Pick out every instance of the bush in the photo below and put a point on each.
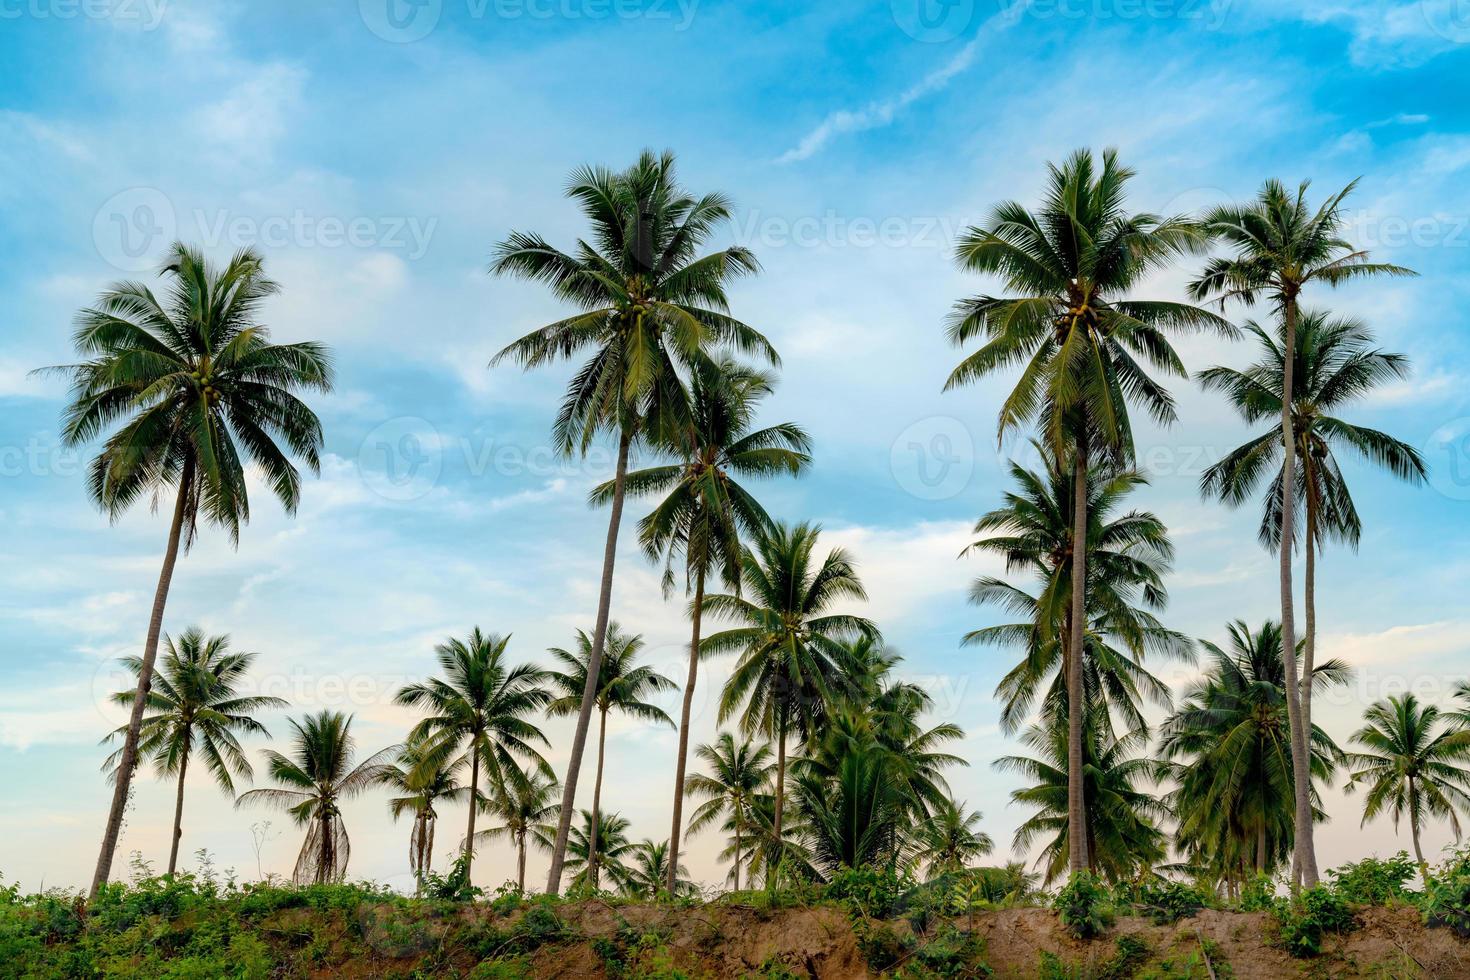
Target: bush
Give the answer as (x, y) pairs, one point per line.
(1165, 902)
(871, 892)
(1082, 906)
(951, 954)
(1313, 914)
(1447, 902)
(1259, 895)
(1375, 881)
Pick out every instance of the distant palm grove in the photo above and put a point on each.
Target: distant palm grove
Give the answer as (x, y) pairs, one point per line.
(828, 760)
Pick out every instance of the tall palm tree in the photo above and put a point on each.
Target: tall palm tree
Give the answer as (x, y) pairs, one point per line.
(1414, 765)
(951, 840)
(1336, 363)
(739, 772)
(195, 389)
(1073, 328)
(651, 870)
(423, 775)
(623, 686)
(195, 701)
(649, 307)
(705, 510)
(788, 638)
(607, 847)
(1129, 553)
(312, 785)
(1227, 749)
(480, 707)
(521, 805)
(1280, 246)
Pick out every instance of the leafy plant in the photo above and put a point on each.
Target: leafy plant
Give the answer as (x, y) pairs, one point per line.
(1374, 881)
(1169, 901)
(1315, 913)
(1082, 906)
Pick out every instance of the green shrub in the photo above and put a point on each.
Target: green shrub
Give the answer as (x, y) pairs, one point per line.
(872, 892)
(1375, 881)
(1447, 902)
(1082, 906)
(1165, 902)
(1313, 914)
(951, 954)
(1259, 895)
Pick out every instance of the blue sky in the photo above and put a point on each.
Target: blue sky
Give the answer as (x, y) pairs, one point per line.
(375, 159)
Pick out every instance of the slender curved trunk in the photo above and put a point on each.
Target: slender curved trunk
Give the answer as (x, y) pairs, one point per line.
(1309, 602)
(1304, 861)
(594, 669)
(469, 837)
(129, 759)
(521, 862)
(173, 851)
(1414, 834)
(1261, 848)
(594, 858)
(1076, 809)
(777, 848)
(327, 860)
(738, 842)
(682, 760)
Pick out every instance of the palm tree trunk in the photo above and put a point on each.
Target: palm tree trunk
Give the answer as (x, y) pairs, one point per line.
(738, 842)
(1261, 848)
(777, 847)
(683, 757)
(521, 862)
(1076, 810)
(1309, 601)
(327, 859)
(1414, 834)
(173, 851)
(469, 837)
(594, 668)
(594, 859)
(1304, 862)
(129, 759)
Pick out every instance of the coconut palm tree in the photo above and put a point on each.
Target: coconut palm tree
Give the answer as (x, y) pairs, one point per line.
(623, 687)
(951, 840)
(313, 783)
(1227, 749)
(607, 847)
(423, 775)
(650, 872)
(521, 805)
(479, 707)
(1129, 553)
(789, 638)
(705, 510)
(1413, 764)
(649, 307)
(1336, 363)
(738, 773)
(1280, 246)
(1073, 328)
(195, 390)
(195, 702)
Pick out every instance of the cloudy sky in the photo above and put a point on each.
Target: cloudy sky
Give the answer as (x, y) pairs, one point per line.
(375, 151)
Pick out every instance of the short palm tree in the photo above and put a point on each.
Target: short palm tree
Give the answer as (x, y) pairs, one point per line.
(1077, 334)
(649, 307)
(607, 847)
(951, 840)
(423, 775)
(651, 870)
(520, 805)
(789, 638)
(705, 510)
(738, 773)
(313, 783)
(1280, 246)
(479, 707)
(623, 687)
(1336, 363)
(195, 703)
(1414, 764)
(196, 389)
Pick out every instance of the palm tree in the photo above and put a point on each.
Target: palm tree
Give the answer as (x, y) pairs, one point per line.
(312, 786)
(197, 389)
(1336, 363)
(789, 639)
(1074, 331)
(1281, 245)
(423, 775)
(1129, 553)
(479, 706)
(607, 847)
(1228, 752)
(195, 700)
(1413, 765)
(704, 509)
(649, 306)
(739, 772)
(521, 805)
(623, 686)
(951, 840)
(648, 877)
